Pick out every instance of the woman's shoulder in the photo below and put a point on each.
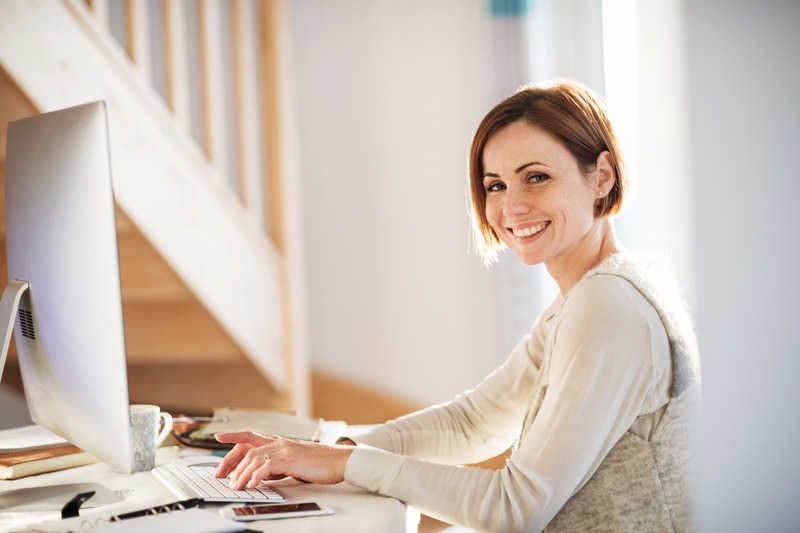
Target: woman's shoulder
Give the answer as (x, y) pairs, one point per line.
(623, 292)
(653, 278)
(651, 274)
(642, 270)
(607, 322)
(607, 299)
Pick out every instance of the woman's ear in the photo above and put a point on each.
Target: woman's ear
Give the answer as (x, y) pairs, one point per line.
(605, 174)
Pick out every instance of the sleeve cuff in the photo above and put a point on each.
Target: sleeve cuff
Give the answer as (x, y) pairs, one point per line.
(376, 437)
(374, 470)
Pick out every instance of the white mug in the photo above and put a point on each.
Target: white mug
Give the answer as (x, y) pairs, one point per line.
(145, 422)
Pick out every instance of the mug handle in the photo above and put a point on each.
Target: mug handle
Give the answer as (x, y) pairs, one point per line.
(167, 418)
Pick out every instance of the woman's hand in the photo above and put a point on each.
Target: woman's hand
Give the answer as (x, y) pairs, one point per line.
(256, 457)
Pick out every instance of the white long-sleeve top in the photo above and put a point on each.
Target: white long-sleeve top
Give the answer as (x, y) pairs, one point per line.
(610, 373)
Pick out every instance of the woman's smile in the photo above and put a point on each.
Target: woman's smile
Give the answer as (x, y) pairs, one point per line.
(529, 231)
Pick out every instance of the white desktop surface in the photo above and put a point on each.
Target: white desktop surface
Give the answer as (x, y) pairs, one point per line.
(355, 510)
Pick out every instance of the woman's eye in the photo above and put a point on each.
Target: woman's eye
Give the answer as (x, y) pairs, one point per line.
(538, 178)
(494, 187)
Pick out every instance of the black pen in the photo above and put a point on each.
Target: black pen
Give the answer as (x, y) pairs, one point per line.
(168, 508)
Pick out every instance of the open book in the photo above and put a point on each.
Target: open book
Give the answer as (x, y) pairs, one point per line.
(30, 450)
(30, 462)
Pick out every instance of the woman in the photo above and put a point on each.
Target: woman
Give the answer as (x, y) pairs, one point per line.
(598, 402)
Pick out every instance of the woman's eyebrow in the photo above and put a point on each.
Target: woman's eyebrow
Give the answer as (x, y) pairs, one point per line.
(517, 171)
(526, 165)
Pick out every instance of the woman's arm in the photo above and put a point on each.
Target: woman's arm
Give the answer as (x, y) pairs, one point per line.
(600, 377)
(474, 426)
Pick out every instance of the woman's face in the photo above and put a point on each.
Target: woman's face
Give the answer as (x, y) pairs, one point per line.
(538, 201)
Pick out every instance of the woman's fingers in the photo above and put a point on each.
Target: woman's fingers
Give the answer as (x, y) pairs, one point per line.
(231, 459)
(244, 437)
(255, 458)
(260, 474)
(245, 474)
(244, 441)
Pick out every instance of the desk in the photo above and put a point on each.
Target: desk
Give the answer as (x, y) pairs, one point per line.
(356, 510)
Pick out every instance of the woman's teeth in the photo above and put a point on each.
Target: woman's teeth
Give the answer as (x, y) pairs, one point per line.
(527, 232)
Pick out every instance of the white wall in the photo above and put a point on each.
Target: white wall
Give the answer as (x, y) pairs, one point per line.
(745, 125)
(387, 96)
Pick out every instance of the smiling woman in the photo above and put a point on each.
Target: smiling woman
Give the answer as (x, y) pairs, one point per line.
(598, 403)
(542, 205)
(575, 118)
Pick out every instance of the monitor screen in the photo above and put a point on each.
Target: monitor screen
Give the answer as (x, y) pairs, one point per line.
(61, 244)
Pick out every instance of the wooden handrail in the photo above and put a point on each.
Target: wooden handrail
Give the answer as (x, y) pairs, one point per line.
(273, 190)
(228, 100)
(176, 61)
(220, 61)
(247, 90)
(138, 36)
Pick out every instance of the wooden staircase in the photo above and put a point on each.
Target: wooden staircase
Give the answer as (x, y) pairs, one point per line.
(208, 269)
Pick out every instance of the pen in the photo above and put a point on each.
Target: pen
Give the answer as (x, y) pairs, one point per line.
(177, 506)
(72, 517)
(185, 419)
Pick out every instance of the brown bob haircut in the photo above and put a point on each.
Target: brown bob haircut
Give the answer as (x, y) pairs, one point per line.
(571, 113)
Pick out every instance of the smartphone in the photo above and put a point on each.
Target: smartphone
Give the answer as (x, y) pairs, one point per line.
(280, 510)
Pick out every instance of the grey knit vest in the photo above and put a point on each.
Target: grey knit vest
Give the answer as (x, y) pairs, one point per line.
(644, 485)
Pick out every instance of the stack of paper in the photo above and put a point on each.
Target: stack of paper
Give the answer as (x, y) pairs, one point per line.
(274, 423)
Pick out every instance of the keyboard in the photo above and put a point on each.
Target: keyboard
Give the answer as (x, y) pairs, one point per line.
(198, 481)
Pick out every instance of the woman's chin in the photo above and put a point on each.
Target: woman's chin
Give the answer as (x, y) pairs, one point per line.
(529, 259)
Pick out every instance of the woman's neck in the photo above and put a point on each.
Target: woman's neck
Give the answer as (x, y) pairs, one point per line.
(569, 268)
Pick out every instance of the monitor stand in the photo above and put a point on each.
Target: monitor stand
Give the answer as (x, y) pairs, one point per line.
(9, 305)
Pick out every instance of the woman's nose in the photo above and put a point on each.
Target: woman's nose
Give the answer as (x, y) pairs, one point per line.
(516, 203)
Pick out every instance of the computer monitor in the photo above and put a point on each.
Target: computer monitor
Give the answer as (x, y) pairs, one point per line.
(63, 270)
